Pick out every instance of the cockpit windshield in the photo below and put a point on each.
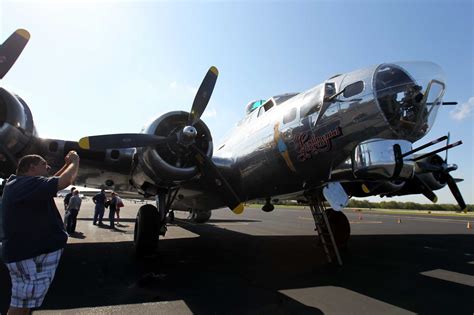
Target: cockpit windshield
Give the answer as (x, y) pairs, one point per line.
(253, 105)
(276, 100)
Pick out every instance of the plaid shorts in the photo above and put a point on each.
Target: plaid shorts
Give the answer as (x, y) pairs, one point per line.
(31, 279)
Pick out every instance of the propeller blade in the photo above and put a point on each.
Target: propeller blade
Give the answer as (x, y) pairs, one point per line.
(11, 49)
(203, 95)
(212, 173)
(121, 141)
(455, 190)
(425, 189)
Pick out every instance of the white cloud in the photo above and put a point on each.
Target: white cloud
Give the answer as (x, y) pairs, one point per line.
(173, 84)
(463, 111)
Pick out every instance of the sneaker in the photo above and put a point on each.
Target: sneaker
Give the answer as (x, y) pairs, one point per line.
(93, 223)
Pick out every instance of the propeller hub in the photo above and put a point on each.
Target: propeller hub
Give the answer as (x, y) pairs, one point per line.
(189, 132)
(188, 135)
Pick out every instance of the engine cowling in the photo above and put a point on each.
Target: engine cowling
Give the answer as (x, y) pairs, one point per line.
(434, 180)
(173, 162)
(16, 130)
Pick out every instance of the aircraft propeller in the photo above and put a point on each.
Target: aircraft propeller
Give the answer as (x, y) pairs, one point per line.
(184, 137)
(442, 170)
(11, 49)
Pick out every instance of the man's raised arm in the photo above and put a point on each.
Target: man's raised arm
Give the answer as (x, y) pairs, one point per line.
(67, 174)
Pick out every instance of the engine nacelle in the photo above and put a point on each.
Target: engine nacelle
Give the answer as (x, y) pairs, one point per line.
(434, 179)
(170, 163)
(16, 130)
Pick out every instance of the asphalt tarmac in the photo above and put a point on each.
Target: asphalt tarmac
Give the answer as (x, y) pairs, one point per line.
(266, 263)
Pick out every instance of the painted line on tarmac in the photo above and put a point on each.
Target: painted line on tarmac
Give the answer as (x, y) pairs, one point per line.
(450, 276)
(351, 222)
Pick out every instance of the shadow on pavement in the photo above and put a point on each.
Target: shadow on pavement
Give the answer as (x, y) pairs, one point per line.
(230, 272)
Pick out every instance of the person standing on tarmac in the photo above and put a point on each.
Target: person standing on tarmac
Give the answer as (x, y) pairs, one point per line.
(34, 236)
(66, 202)
(72, 211)
(100, 199)
(68, 197)
(112, 209)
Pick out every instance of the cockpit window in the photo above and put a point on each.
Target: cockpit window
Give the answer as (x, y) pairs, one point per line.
(253, 106)
(329, 89)
(269, 104)
(353, 89)
(283, 98)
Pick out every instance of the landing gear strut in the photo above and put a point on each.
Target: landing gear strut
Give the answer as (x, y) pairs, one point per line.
(268, 207)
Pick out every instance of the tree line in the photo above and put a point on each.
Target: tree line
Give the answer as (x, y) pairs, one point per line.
(356, 203)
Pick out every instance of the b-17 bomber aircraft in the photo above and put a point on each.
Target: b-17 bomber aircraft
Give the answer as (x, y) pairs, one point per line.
(351, 135)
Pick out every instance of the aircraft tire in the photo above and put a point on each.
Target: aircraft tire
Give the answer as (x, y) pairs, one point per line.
(146, 233)
(200, 216)
(340, 227)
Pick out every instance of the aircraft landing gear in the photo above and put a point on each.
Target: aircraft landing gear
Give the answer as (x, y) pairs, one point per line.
(340, 227)
(268, 207)
(147, 226)
(200, 216)
(151, 223)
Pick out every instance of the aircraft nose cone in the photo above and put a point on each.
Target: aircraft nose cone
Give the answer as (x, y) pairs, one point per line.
(409, 95)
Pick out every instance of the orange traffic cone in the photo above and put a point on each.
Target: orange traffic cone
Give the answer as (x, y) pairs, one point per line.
(469, 225)
(399, 220)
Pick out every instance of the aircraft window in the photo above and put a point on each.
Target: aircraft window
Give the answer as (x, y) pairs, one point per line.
(329, 90)
(261, 111)
(115, 154)
(253, 106)
(353, 89)
(290, 116)
(283, 98)
(268, 104)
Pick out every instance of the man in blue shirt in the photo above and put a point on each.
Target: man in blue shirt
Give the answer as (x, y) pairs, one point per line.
(100, 199)
(34, 235)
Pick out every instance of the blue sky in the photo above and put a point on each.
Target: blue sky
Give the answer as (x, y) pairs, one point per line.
(96, 67)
